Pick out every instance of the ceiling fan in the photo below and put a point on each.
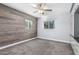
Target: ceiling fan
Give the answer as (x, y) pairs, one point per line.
(41, 8)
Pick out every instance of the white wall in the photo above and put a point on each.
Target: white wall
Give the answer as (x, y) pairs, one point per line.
(62, 28)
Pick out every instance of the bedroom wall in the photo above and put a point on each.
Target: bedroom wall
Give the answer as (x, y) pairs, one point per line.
(62, 29)
(12, 26)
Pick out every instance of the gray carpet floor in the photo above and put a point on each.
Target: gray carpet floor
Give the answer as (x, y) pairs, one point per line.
(39, 47)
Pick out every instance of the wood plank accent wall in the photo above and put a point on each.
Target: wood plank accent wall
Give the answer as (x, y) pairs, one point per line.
(12, 26)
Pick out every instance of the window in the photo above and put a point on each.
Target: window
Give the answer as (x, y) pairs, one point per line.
(28, 24)
(49, 24)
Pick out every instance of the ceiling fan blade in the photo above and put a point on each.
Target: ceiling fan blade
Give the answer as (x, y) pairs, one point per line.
(48, 10)
(35, 11)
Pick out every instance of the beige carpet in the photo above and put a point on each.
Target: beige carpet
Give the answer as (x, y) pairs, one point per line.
(39, 47)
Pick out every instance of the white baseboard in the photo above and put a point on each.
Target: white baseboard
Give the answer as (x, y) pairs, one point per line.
(54, 39)
(13, 44)
(10, 45)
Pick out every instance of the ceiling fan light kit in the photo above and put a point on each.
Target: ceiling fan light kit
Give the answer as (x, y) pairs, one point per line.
(41, 8)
